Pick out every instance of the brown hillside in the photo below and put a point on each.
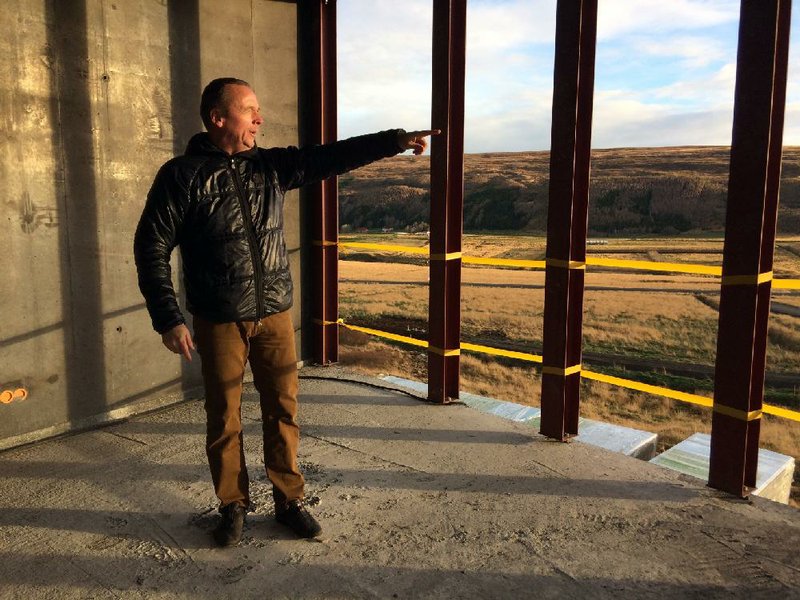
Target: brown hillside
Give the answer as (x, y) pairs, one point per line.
(633, 190)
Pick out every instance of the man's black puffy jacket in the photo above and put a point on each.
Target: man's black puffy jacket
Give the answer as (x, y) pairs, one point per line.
(226, 214)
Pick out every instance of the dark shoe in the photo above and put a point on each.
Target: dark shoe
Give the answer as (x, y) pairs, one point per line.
(297, 518)
(229, 531)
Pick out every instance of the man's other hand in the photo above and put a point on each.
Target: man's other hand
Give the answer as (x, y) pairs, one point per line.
(415, 140)
(179, 340)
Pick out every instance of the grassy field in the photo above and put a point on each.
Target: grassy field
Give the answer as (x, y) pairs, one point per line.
(632, 316)
(633, 191)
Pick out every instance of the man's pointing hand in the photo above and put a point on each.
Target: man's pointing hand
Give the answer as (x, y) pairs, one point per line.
(415, 140)
(179, 340)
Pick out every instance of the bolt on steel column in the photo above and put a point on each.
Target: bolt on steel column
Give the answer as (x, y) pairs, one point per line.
(567, 213)
(447, 198)
(750, 223)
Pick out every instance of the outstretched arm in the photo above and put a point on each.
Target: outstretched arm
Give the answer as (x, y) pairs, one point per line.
(296, 167)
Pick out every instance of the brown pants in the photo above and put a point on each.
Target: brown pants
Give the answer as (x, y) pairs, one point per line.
(224, 350)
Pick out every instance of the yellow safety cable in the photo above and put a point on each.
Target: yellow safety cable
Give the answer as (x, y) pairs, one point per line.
(650, 389)
(384, 334)
(474, 260)
(498, 352)
(655, 266)
(781, 412)
(618, 381)
(503, 262)
(387, 247)
(786, 284)
(642, 265)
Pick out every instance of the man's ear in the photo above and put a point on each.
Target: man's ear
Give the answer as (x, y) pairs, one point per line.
(217, 117)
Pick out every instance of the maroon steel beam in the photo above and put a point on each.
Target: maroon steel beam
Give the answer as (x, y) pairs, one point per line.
(326, 202)
(567, 213)
(750, 222)
(447, 198)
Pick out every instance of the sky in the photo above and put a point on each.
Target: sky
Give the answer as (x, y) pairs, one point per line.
(664, 72)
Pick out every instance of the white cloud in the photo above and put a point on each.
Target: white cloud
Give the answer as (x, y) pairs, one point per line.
(692, 52)
(385, 71)
(385, 66)
(524, 123)
(714, 90)
(619, 17)
(496, 27)
(625, 121)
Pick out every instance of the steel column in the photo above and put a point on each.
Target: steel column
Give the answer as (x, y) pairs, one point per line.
(325, 196)
(750, 223)
(573, 92)
(447, 198)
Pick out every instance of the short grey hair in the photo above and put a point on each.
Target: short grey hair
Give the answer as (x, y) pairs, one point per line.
(215, 96)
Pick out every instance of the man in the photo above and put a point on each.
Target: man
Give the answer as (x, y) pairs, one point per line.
(221, 203)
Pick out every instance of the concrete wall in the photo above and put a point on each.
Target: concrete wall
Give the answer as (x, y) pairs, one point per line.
(95, 96)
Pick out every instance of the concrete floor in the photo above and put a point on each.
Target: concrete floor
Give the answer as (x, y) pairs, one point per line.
(416, 501)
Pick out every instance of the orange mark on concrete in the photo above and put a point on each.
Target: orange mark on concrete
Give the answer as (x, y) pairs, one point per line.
(9, 396)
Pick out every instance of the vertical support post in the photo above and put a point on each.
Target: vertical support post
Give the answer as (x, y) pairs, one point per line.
(567, 213)
(447, 198)
(750, 223)
(325, 196)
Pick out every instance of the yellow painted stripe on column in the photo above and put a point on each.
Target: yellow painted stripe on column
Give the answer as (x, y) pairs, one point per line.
(747, 279)
(325, 323)
(742, 415)
(443, 352)
(448, 256)
(565, 264)
(563, 372)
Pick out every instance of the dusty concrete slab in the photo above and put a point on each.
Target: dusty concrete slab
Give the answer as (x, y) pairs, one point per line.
(416, 501)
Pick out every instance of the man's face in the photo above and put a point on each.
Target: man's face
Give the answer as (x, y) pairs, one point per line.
(240, 120)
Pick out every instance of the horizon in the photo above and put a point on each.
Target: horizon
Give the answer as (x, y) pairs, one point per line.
(664, 75)
(547, 150)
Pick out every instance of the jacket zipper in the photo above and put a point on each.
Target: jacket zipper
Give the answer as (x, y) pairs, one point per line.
(252, 242)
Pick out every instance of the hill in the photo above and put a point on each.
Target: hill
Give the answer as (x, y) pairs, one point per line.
(632, 191)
